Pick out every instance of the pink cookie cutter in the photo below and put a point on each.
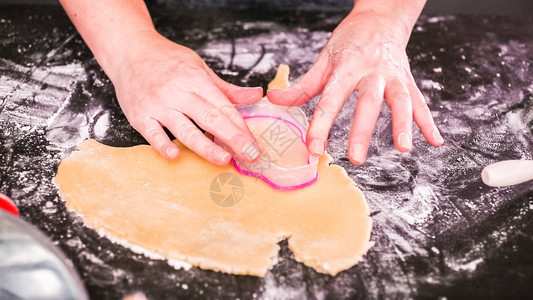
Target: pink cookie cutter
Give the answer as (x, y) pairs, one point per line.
(280, 178)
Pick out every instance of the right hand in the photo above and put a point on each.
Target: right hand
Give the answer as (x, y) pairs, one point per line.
(162, 84)
(365, 53)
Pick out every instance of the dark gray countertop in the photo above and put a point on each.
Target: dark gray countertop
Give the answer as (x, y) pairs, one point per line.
(438, 230)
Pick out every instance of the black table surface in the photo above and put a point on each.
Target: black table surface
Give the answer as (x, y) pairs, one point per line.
(438, 230)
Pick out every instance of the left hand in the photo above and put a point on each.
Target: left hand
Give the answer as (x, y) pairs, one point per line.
(365, 53)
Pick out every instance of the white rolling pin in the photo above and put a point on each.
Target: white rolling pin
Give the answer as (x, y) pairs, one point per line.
(507, 172)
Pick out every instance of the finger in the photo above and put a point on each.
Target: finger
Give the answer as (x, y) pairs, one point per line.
(187, 133)
(152, 131)
(423, 118)
(399, 100)
(367, 111)
(211, 119)
(309, 85)
(219, 100)
(236, 94)
(338, 89)
(244, 95)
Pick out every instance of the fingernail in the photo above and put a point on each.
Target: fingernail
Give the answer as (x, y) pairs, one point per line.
(438, 138)
(357, 152)
(171, 152)
(404, 141)
(278, 91)
(253, 88)
(254, 91)
(251, 151)
(316, 147)
(271, 92)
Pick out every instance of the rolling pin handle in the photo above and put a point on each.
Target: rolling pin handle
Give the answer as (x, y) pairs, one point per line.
(507, 172)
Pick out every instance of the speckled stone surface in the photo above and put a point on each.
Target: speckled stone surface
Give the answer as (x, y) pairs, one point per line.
(438, 230)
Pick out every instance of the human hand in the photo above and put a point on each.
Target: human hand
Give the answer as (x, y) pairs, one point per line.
(162, 84)
(365, 53)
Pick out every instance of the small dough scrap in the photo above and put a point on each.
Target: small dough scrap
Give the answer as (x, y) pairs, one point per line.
(167, 207)
(281, 80)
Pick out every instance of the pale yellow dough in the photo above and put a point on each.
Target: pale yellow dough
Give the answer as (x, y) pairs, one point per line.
(281, 80)
(165, 206)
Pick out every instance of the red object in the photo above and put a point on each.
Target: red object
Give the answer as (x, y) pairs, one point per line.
(8, 205)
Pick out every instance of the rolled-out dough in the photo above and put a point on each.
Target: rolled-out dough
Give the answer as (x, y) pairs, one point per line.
(166, 207)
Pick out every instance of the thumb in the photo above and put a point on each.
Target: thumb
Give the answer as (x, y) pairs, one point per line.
(237, 94)
(309, 85)
(243, 95)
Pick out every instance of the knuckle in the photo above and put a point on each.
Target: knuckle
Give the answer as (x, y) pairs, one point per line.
(211, 115)
(230, 112)
(328, 107)
(154, 136)
(144, 126)
(372, 97)
(210, 153)
(401, 96)
(186, 133)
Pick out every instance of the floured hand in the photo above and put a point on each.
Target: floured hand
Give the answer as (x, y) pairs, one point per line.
(162, 84)
(365, 53)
